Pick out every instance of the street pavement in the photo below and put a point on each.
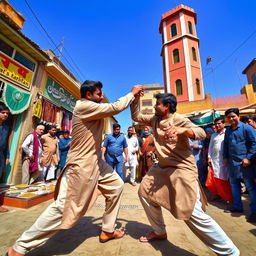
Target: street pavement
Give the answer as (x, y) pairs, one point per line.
(83, 238)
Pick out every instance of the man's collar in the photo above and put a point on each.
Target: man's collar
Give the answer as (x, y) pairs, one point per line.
(167, 116)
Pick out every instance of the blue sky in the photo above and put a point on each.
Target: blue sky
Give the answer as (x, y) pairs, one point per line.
(118, 42)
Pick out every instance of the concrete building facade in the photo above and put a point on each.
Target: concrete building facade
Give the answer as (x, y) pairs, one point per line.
(180, 53)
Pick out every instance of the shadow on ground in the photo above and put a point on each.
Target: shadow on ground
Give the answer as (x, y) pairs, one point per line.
(66, 241)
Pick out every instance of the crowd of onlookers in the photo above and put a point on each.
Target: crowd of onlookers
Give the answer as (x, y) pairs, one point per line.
(225, 159)
(43, 152)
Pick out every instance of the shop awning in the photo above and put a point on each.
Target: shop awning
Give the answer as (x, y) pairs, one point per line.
(15, 99)
(203, 117)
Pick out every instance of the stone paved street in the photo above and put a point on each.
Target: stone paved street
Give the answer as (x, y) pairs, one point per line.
(83, 238)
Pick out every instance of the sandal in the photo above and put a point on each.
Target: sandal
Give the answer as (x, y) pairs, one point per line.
(152, 236)
(106, 236)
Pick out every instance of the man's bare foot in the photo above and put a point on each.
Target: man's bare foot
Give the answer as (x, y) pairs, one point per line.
(12, 252)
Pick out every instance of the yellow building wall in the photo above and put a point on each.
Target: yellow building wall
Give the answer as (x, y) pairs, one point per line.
(16, 17)
(191, 106)
(250, 94)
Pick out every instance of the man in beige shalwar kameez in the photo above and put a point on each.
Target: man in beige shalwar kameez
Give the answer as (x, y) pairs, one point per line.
(173, 182)
(85, 172)
(50, 158)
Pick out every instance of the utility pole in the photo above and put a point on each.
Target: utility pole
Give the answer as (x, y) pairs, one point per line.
(60, 48)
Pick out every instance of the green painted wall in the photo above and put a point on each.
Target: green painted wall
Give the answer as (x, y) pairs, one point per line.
(14, 147)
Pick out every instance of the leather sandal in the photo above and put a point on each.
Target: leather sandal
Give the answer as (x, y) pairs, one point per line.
(152, 236)
(106, 236)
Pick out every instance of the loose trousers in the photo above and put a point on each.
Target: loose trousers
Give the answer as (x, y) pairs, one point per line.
(110, 185)
(132, 174)
(202, 225)
(29, 178)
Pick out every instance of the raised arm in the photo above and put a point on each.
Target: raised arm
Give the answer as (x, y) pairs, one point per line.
(89, 110)
(137, 116)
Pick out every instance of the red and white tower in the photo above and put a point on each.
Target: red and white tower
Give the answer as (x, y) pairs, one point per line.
(180, 52)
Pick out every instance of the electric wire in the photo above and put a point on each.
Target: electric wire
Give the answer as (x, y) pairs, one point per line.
(81, 75)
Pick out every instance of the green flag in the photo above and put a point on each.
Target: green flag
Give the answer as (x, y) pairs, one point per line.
(16, 100)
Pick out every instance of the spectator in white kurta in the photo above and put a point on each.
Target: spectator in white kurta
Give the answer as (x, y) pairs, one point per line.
(217, 180)
(132, 161)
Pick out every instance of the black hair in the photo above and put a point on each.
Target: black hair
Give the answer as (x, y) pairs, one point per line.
(89, 86)
(232, 110)
(51, 126)
(3, 107)
(168, 98)
(66, 131)
(130, 127)
(116, 125)
(219, 119)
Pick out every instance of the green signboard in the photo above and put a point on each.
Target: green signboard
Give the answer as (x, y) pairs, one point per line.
(59, 95)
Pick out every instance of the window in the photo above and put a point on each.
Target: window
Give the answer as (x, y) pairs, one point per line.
(194, 54)
(176, 56)
(173, 30)
(190, 28)
(6, 48)
(146, 103)
(198, 88)
(24, 61)
(179, 87)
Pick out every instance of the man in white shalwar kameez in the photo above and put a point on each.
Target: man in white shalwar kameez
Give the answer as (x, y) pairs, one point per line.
(132, 161)
(217, 181)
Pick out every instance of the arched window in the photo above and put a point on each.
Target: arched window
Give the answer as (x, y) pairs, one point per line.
(198, 88)
(173, 30)
(190, 28)
(178, 87)
(176, 56)
(194, 54)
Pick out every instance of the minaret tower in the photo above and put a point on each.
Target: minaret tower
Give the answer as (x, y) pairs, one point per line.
(180, 52)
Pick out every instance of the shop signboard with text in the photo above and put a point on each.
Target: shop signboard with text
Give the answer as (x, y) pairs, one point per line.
(15, 72)
(59, 95)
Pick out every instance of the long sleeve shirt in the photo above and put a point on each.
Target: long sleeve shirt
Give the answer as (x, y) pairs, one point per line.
(239, 143)
(27, 146)
(133, 148)
(4, 136)
(215, 153)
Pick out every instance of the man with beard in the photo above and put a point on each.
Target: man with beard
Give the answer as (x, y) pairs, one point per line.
(84, 174)
(31, 154)
(50, 158)
(132, 161)
(173, 182)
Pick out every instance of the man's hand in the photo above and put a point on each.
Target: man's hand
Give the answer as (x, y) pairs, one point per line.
(209, 161)
(125, 159)
(68, 145)
(137, 90)
(7, 161)
(173, 131)
(245, 162)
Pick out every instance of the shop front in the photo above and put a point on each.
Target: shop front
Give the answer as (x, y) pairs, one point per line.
(57, 105)
(20, 59)
(15, 92)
